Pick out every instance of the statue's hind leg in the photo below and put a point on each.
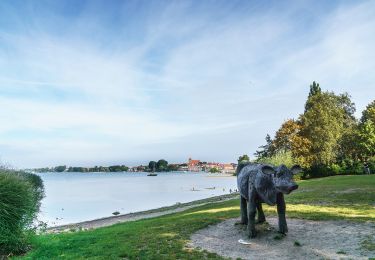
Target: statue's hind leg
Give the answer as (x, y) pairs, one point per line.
(244, 218)
(261, 217)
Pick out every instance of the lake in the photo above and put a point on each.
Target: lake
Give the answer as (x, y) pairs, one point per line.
(76, 197)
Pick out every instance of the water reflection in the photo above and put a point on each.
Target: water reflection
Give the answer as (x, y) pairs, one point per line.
(75, 197)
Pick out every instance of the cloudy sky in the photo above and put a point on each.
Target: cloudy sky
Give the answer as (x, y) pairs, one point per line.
(107, 82)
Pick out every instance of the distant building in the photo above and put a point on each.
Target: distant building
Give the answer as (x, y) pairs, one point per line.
(183, 167)
(229, 168)
(194, 165)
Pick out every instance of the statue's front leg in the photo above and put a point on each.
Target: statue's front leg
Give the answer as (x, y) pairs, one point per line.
(251, 211)
(283, 227)
(261, 217)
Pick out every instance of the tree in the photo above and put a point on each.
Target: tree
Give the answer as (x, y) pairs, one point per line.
(266, 150)
(152, 166)
(366, 140)
(369, 113)
(118, 168)
(314, 90)
(323, 124)
(214, 170)
(243, 158)
(162, 165)
(60, 168)
(285, 136)
(173, 167)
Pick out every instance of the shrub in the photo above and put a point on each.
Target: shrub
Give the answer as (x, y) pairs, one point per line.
(20, 196)
(279, 158)
(214, 170)
(371, 165)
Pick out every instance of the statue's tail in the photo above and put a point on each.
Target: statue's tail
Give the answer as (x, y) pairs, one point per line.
(240, 166)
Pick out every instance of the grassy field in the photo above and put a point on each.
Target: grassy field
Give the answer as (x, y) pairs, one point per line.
(334, 198)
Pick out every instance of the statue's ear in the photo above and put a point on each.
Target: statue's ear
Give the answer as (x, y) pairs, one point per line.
(296, 169)
(268, 170)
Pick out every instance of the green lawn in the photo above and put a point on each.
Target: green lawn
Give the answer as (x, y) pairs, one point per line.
(340, 197)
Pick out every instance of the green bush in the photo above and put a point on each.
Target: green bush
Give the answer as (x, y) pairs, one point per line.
(20, 196)
(371, 165)
(279, 158)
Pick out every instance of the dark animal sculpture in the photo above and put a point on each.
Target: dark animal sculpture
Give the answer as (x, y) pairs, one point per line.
(259, 183)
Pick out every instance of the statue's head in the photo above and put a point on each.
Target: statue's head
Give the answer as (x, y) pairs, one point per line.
(283, 178)
(272, 180)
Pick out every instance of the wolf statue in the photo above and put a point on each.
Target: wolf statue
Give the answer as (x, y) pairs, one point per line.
(260, 183)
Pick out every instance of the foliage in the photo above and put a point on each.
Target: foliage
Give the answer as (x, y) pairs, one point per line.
(366, 139)
(20, 196)
(279, 158)
(60, 168)
(162, 165)
(326, 139)
(214, 170)
(323, 125)
(243, 158)
(118, 168)
(165, 237)
(285, 136)
(266, 150)
(152, 166)
(369, 113)
(173, 167)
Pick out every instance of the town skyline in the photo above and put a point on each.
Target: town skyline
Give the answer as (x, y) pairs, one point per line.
(192, 165)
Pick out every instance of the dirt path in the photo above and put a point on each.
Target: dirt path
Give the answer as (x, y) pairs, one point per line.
(108, 221)
(317, 239)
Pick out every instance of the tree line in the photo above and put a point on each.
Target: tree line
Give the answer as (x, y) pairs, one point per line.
(326, 139)
(158, 166)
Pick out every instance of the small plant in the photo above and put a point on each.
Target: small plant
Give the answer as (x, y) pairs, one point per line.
(279, 236)
(296, 243)
(341, 252)
(116, 213)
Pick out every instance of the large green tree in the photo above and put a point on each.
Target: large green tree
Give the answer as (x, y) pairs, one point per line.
(366, 140)
(326, 118)
(369, 113)
(162, 165)
(243, 158)
(152, 166)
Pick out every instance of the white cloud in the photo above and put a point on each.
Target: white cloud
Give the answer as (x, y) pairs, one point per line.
(192, 86)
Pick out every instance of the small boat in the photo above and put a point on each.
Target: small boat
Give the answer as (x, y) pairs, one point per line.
(152, 174)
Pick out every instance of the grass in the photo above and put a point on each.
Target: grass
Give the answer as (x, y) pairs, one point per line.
(332, 198)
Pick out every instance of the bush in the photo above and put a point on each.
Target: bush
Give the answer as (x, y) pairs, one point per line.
(279, 158)
(371, 165)
(20, 196)
(214, 170)
(316, 171)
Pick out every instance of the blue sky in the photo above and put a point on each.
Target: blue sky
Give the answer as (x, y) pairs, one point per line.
(107, 82)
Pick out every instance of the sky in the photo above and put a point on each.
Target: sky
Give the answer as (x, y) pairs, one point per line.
(86, 83)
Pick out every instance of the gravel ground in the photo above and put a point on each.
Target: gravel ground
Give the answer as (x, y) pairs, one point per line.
(305, 240)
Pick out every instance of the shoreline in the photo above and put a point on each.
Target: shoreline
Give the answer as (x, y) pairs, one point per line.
(133, 216)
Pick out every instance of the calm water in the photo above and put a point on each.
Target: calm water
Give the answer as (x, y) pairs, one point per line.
(75, 197)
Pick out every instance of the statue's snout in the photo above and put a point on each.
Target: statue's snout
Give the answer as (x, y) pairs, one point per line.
(293, 187)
